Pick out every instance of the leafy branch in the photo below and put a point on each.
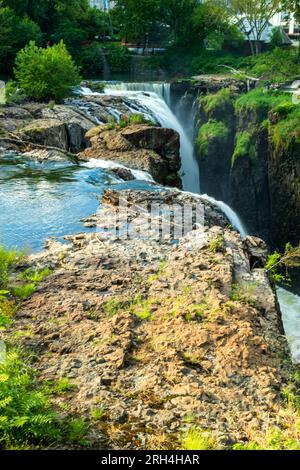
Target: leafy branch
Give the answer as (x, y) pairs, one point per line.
(289, 259)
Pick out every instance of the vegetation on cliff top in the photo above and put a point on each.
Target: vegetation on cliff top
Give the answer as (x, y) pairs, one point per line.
(261, 101)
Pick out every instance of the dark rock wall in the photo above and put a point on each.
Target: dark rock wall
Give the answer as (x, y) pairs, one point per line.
(265, 189)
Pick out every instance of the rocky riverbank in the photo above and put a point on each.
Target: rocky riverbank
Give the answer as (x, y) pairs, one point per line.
(162, 338)
(73, 130)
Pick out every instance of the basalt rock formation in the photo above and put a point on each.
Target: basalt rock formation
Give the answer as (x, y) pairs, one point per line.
(164, 336)
(248, 153)
(141, 147)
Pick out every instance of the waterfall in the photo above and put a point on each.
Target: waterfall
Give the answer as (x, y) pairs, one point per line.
(151, 99)
(154, 104)
(162, 89)
(290, 309)
(231, 215)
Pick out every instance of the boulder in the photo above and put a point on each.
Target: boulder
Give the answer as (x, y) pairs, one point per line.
(76, 122)
(48, 132)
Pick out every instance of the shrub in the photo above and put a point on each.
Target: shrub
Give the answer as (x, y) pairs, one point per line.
(212, 130)
(279, 65)
(245, 147)
(91, 61)
(212, 61)
(46, 74)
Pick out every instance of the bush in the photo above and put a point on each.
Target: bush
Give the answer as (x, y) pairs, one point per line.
(91, 61)
(212, 61)
(279, 65)
(209, 131)
(46, 74)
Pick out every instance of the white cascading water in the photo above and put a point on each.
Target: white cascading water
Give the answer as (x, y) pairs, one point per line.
(154, 102)
(162, 89)
(290, 309)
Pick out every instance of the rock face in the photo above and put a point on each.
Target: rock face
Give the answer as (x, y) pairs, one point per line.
(48, 132)
(240, 164)
(157, 342)
(141, 147)
(63, 127)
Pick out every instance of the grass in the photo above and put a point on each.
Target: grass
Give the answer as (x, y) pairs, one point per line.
(244, 294)
(245, 147)
(211, 131)
(261, 101)
(133, 119)
(141, 308)
(8, 258)
(216, 245)
(98, 413)
(197, 439)
(217, 103)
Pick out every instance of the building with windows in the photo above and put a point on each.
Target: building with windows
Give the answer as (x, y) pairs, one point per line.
(104, 5)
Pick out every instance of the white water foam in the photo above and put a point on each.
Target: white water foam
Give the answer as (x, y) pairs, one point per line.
(157, 107)
(290, 309)
(111, 165)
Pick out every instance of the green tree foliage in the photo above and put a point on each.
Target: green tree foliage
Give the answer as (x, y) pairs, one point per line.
(278, 263)
(49, 21)
(258, 13)
(46, 74)
(15, 33)
(137, 18)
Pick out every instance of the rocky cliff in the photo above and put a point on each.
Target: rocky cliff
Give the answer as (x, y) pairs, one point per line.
(164, 337)
(248, 150)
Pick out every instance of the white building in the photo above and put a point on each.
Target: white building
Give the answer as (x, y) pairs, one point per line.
(288, 23)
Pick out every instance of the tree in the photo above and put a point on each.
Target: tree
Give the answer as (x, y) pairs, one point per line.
(15, 33)
(209, 19)
(253, 18)
(46, 74)
(176, 13)
(137, 18)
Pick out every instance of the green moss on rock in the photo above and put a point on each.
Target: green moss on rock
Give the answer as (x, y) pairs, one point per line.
(212, 130)
(245, 147)
(261, 101)
(286, 131)
(218, 101)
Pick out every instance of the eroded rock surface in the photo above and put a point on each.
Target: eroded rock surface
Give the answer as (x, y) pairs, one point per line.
(159, 334)
(141, 147)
